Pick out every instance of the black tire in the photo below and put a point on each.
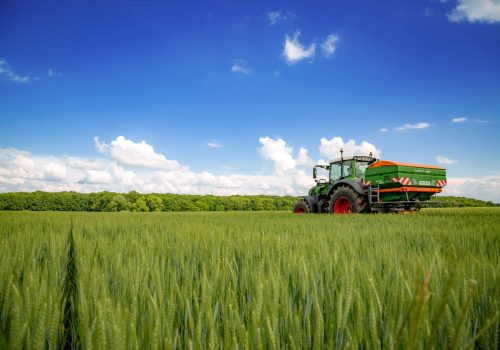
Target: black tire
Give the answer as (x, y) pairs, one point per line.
(302, 207)
(349, 201)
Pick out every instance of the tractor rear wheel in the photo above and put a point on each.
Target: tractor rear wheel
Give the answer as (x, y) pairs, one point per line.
(346, 201)
(302, 207)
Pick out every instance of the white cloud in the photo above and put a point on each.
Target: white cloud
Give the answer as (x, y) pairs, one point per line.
(487, 11)
(279, 16)
(294, 51)
(277, 151)
(23, 171)
(413, 126)
(303, 158)
(140, 154)
(384, 130)
(82, 163)
(97, 177)
(444, 160)
(19, 165)
(55, 171)
(7, 72)
(214, 144)
(331, 148)
(274, 16)
(467, 120)
(101, 146)
(485, 188)
(240, 66)
(329, 45)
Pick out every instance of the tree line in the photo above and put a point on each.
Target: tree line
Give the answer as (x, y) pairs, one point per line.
(134, 201)
(456, 202)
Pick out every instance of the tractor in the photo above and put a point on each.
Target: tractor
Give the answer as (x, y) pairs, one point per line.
(365, 184)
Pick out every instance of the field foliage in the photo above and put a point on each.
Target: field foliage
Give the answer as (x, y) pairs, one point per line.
(250, 280)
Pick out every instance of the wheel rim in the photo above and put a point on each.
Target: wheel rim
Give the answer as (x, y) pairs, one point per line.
(299, 211)
(342, 206)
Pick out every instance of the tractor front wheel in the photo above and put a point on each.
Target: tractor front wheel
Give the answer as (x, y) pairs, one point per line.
(301, 207)
(346, 201)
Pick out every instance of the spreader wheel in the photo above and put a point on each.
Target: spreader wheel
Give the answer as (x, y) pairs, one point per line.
(301, 207)
(346, 201)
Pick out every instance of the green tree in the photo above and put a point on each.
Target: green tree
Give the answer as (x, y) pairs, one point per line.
(202, 205)
(154, 203)
(118, 203)
(140, 204)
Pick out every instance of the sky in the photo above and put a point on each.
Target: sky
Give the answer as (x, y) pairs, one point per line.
(243, 97)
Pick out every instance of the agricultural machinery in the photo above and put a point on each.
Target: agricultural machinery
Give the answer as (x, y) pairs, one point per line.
(364, 184)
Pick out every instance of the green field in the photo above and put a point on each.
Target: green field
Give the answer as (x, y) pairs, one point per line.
(250, 280)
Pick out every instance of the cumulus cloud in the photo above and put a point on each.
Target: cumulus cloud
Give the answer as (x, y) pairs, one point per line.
(303, 158)
(24, 171)
(331, 148)
(277, 151)
(240, 66)
(140, 154)
(485, 188)
(446, 161)
(329, 45)
(55, 171)
(384, 130)
(97, 177)
(294, 51)
(487, 11)
(459, 120)
(18, 165)
(214, 144)
(6, 72)
(412, 126)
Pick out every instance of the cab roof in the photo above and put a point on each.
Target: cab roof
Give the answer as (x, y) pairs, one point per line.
(360, 158)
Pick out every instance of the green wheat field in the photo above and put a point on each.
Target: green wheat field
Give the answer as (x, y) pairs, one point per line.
(240, 280)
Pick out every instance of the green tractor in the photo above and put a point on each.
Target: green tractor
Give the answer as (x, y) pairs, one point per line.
(364, 184)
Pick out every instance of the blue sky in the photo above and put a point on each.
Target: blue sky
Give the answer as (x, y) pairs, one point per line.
(244, 75)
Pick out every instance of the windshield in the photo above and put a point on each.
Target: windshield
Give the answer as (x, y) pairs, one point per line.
(336, 172)
(361, 169)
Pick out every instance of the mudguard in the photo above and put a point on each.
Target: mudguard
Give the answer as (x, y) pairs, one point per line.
(354, 184)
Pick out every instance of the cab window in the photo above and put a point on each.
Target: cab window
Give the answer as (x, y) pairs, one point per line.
(347, 168)
(334, 171)
(361, 169)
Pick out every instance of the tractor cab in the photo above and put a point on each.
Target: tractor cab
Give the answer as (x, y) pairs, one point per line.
(352, 168)
(344, 168)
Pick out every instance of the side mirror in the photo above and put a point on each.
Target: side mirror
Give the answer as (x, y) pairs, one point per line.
(315, 173)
